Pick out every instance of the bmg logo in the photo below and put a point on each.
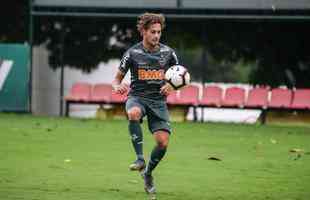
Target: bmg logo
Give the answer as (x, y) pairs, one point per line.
(151, 74)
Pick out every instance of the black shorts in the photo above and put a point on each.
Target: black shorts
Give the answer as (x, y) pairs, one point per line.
(155, 110)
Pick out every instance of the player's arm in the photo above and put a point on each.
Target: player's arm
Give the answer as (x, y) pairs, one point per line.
(117, 85)
(166, 89)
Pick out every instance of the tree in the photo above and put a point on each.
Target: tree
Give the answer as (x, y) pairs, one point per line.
(85, 41)
(279, 49)
(14, 21)
(276, 50)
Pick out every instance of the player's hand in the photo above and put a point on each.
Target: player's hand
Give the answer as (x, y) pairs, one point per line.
(120, 89)
(166, 89)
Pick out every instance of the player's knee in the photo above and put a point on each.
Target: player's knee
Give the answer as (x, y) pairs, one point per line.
(162, 143)
(162, 139)
(134, 113)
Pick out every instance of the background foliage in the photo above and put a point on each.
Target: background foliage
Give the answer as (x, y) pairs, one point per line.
(273, 52)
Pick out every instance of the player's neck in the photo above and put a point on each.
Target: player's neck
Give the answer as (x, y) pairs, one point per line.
(149, 47)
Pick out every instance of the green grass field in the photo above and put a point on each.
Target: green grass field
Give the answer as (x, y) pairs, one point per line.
(45, 158)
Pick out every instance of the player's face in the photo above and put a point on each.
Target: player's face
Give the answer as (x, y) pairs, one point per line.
(151, 36)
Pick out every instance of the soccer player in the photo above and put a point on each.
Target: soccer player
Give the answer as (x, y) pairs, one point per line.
(147, 61)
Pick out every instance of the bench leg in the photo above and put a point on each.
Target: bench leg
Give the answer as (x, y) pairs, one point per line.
(263, 117)
(67, 108)
(202, 115)
(195, 113)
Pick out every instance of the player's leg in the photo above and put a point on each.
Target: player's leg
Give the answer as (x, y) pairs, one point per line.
(162, 139)
(159, 125)
(158, 121)
(135, 111)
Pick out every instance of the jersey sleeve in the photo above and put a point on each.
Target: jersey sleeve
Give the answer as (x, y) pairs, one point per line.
(174, 59)
(125, 63)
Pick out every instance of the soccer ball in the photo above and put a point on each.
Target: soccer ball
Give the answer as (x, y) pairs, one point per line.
(177, 76)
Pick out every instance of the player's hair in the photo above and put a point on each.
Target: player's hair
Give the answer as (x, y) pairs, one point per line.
(147, 19)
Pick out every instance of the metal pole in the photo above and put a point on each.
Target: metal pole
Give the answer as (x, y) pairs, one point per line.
(175, 16)
(179, 3)
(204, 53)
(30, 32)
(62, 40)
(204, 65)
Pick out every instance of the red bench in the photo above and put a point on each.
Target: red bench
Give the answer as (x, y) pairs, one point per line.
(85, 93)
(280, 98)
(211, 96)
(257, 98)
(301, 99)
(80, 92)
(101, 93)
(180, 101)
(234, 97)
(188, 96)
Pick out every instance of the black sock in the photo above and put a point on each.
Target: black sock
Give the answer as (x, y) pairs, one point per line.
(156, 156)
(136, 137)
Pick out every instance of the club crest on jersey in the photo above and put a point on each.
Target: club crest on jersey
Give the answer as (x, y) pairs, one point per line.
(151, 74)
(162, 61)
